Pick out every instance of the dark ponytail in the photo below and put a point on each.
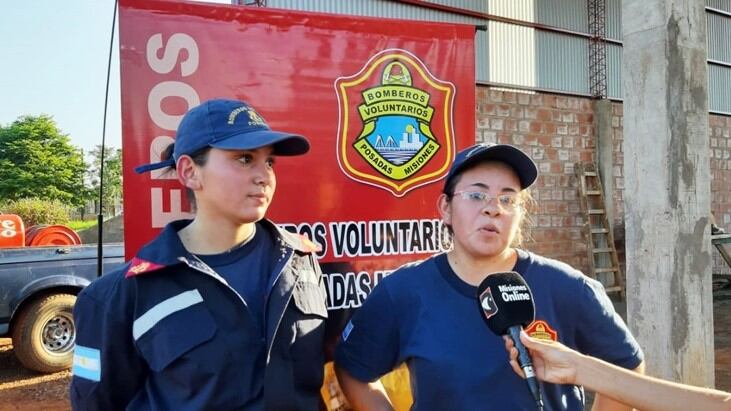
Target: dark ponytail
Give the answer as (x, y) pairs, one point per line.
(199, 157)
(168, 153)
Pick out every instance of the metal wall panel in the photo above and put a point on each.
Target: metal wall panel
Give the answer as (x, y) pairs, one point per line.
(374, 8)
(568, 14)
(510, 50)
(511, 54)
(724, 5)
(473, 5)
(614, 19)
(522, 56)
(562, 62)
(513, 9)
(719, 37)
(390, 9)
(719, 89)
(482, 61)
(614, 71)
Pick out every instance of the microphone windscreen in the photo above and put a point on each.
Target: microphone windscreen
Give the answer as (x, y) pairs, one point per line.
(505, 300)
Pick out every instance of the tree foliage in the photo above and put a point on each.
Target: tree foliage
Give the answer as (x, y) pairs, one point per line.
(112, 189)
(38, 161)
(35, 211)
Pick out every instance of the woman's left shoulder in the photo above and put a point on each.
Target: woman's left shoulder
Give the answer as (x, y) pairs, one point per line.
(281, 237)
(558, 273)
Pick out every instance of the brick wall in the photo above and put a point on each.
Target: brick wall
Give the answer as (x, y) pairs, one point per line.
(557, 132)
(719, 130)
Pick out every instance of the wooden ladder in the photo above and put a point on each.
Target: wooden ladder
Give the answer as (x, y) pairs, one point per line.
(603, 261)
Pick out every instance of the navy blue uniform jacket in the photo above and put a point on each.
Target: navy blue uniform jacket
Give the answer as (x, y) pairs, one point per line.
(167, 333)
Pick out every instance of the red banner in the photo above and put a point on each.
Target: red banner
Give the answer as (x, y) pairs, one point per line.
(385, 104)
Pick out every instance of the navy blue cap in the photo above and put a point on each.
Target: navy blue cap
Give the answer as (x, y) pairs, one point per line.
(228, 125)
(523, 166)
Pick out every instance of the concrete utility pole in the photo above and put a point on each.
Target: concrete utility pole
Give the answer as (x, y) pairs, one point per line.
(667, 187)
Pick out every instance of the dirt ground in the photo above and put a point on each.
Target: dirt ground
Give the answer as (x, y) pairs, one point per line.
(21, 389)
(722, 334)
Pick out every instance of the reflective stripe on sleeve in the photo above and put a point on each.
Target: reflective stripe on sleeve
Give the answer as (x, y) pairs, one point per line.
(164, 309)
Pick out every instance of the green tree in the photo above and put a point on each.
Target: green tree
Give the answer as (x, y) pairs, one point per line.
(38, 160)
(112, 189)
(35, 211)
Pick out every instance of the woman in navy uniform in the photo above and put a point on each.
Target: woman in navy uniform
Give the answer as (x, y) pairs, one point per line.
(222, 312)
(425, 314)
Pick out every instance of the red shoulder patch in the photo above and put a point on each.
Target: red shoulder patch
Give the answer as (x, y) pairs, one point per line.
(540, 330)
(138, 266)
(308, 245)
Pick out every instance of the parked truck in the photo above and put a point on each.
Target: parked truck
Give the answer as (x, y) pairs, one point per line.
(42, 269)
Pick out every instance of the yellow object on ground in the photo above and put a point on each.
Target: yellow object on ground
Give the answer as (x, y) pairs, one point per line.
(396, 384)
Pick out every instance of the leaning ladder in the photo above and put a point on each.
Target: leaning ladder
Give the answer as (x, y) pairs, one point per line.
(603, 261)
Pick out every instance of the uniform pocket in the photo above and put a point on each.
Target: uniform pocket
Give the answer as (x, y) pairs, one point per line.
(308, 348)
(309, 321)
(175, 335)
(310, 299)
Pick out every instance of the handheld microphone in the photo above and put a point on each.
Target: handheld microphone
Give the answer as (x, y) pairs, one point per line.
(506, 304)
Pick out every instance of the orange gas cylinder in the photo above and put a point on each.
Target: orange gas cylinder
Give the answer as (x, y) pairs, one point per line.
(12, 232)
(45, 235)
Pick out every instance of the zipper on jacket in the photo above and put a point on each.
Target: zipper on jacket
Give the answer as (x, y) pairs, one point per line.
(284, 250)
(205, 269)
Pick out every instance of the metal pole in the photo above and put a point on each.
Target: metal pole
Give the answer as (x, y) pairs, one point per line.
(100, 216)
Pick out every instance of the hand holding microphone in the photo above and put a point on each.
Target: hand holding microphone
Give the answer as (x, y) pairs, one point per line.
(506, 303)
(559, 364)
(552, 361)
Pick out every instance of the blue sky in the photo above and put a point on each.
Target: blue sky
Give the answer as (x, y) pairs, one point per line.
(54, 61)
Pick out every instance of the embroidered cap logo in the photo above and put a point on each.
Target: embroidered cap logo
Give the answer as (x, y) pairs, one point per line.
(254, 118)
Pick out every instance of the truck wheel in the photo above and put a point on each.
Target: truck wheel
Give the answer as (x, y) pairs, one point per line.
(44, 333)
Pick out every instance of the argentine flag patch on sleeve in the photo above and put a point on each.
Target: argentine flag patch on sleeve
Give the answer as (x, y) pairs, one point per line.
(347, 330)
(87, 363)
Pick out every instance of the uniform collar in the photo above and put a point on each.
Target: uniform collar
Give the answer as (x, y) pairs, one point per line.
(167, 249)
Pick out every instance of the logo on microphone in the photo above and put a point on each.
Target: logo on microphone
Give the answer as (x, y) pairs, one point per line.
(489, 308)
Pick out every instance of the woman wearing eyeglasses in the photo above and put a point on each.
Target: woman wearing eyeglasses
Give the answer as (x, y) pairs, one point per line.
(425, 315)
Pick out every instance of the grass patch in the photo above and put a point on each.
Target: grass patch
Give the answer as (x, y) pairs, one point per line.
(79, 225)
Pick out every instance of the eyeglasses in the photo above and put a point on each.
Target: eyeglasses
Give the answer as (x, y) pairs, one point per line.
(507, 203)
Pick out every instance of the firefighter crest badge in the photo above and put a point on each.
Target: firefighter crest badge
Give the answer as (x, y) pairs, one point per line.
(396, 127)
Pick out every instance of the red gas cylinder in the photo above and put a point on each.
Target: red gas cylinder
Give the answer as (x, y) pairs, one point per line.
(12, 232)
(49, 235)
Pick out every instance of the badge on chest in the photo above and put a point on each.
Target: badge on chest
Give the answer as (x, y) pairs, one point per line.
(541, 330)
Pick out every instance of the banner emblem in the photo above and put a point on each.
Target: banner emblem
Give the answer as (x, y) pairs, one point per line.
(396, 125)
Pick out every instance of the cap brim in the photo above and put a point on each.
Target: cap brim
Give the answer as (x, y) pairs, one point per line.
(523, 165)
(284, 144)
